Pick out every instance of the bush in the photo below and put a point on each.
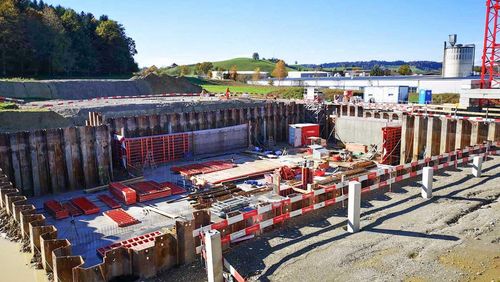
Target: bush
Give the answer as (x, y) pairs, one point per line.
(8, 106)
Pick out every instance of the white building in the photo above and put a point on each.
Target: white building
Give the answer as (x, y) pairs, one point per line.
(308, 74)
(247, 74)
(435, 83)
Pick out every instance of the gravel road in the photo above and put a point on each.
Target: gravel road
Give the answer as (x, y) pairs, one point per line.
(455, 236)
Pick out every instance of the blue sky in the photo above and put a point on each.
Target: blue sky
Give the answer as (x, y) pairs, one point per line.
(314, 31)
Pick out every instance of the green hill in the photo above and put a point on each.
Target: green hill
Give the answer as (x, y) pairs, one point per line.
(242, 64)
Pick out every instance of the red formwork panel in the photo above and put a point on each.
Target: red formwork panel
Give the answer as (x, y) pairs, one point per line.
(85, 205)
(73, 211)
(156, 149)
(130, 243)
(123, 193)
(121, 217)
(55, 209)
(110, 202)
(391, 145)
(174, 189)
(150, 190)
(205, 167)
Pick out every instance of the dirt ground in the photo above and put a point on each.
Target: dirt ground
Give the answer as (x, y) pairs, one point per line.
(455, 236)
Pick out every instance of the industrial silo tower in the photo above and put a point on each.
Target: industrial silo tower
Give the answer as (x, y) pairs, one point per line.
(458, 59)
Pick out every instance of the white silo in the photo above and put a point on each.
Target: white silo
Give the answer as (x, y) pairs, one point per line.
(458, 59)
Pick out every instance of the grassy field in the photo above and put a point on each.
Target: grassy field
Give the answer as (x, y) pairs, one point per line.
(242, 64)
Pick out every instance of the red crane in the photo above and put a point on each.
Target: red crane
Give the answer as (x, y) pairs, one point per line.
(490, 72)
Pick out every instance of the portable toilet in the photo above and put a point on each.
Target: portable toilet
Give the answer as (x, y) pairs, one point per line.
(425, 96)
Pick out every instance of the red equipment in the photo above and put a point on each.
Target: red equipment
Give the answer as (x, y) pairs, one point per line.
(150, 190)
(490, 73)
(85, 205)
(123, 193)
(73, 211)
(55, 209)
(110, 202)
(146, 239)
(121, 217)
(287, 173)
(391, 145)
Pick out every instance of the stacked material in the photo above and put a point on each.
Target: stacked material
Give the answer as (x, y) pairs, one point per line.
(200, 168)
(73, 211)
(85, 205)
(150, 190)
(123, 193)
(110, 202)
(121, 217)
(138, 242)
(174, 189)
(56, 209)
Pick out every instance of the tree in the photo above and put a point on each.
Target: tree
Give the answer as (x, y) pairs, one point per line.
(60, 59)
(255, 56)
(376, 71)
(117, 50)
(405, 70)
(233, 73)
(256, 74)
(9, 37)
(204, 68)
(280, 71)
(184, 70)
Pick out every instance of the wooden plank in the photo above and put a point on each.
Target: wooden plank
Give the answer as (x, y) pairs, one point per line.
(15, 161)
(5, 156)
(25, 163)
(102, 154)
(33, 143)
(43, 162)
(493, 129)
(474, 137)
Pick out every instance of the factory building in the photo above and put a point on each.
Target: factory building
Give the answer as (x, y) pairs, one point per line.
(458, 59)
(308, 74)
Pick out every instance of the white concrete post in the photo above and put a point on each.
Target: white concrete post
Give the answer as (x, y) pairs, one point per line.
(477, 163)
(354, 206)
(427, 177)
(213, 250)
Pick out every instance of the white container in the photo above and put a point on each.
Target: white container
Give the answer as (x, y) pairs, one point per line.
(386, 94)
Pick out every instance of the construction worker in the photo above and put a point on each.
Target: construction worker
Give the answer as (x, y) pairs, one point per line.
(227, 93)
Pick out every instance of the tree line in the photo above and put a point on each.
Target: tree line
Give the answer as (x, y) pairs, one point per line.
(39, 40)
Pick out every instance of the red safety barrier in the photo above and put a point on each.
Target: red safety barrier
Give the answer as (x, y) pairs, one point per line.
(85, 205)
(133, 242)
(73, 211)
(110, 202)
(391, 145)
(156, 149)
(206, 167)
(55, 209)
(123, 193)
(150, 190)
(121, 217)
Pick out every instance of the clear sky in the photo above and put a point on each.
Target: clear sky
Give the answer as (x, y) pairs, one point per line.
(307, 31)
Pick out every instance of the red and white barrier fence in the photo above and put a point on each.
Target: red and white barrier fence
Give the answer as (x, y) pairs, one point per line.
(459, 159)
(6, 99)
(69, 102)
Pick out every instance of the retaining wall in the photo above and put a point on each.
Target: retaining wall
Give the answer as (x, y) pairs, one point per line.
(57, 160)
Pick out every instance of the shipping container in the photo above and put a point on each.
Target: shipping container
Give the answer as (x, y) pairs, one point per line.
(299, 133)
(386, 94)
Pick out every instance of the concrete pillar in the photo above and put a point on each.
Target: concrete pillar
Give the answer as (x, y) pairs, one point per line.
(427, 177)
(214, 256)
(477, 163)
(354, 206)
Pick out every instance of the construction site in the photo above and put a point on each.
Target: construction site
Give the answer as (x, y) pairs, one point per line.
(187, 185)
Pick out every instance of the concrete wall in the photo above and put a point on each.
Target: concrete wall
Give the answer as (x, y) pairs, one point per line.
(220, 140)
(362, 130)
